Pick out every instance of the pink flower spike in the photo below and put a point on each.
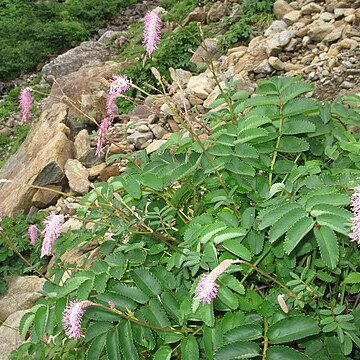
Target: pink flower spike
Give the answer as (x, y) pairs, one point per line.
(207, 288)
(103, 128)
(355, 207)
(72, 317)
(110, 105)
(32, 234)
(51, 232)
(119, 85)
(152, 29)
(25, 104)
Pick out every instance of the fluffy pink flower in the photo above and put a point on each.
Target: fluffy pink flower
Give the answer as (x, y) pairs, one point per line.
(207, 288)
(1, 215)
(110, 105)
(355, 207)
(25, 104)
(119, 85)
(32, 234)
(72, 318)
(51, 232)
(152, 31)
(103, 128)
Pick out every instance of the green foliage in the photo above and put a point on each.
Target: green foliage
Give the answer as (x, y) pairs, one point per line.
(260, 189)
(252, 14)
(15, 229)
(30, 31)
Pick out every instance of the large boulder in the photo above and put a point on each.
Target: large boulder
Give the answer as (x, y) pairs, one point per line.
(39, 161)
(74, 59)
(22, 294)
(86, 88)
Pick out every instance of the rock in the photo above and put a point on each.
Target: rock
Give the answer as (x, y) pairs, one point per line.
(218, 11)
(201, 55)
(276, 63)
(22, 294)
(87, 88)
(339, 12)
(278, 41)
(116, 149)
(181, 77)
(158, 131)
(74, 59)
(71, 224)
(194, 100)
(109, 171)
(81, 144)
(318, 30)
(199, 92)
(281, 7)
(326, 16)
(154, 146)
(347, 85)
(211, 98)
(310, 9)
(201, 82)
(39, 160)
(138, 139)
(197, 15)
(292, 17)
(173, 125)
(95, 171)
(42, 198)
(348, 44)
(77, 175)
(9, 334)
(263, 68)
(334, 35)
(275, 27)
(90, 159)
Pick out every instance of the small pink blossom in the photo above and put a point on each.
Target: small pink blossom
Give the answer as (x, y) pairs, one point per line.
(32, 234)
(152, 31)
(72, 318)
(355, 207)
(110, 105)
(103, 128)
(207, 288)
(51, 232)
(25, 104)
(119, 85)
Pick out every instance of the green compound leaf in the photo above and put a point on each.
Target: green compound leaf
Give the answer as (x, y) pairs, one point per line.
(238, 350)
(132, 292)
(235, 247)
(25, 324)
(96, 347)
(334, 222)
(293, 144)
(40, 320)
(285, 223)
(270, 216)
(284, 353)
(298, 126)
(112, 344)
(97, 328)
(296, 233)
(189, 348)
(163, 353)
(328, 244)
(352, 278)
(146, 282)
(126, 341)
(243, 333)
(292, 328)
(227, 234)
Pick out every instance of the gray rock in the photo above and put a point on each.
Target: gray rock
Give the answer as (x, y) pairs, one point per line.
(200, 56)
(90, 159)
(318, 30)
(77, 175)
(21, 295)
(43, 198)
(158, 131)
(155, 145)
(292, 17)
(278, 41)
(275, 27)
(74, 59)
(276, 63)
(197, 15)
(217, 12)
